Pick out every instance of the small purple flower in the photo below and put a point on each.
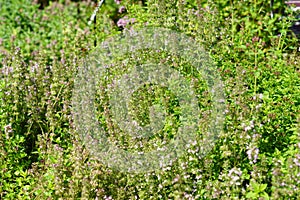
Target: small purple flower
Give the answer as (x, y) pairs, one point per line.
(249, 127)
(58, 148)
(297, 160)
(132, 20)
(253, 154)
(34, 68)
(8, 129)
(122, 9)
(118, 1)
(234, 175)
(7, 70)
(176, 179)
(122, 22)
(255, 39)
(18, 49)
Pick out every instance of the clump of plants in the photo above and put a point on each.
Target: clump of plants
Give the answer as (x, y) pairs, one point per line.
(257, 154)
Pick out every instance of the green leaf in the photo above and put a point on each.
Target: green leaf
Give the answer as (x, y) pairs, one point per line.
(262, 187)
(266, 196)
(252, 195)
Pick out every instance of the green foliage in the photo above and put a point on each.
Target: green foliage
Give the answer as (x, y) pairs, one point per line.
(255, 157)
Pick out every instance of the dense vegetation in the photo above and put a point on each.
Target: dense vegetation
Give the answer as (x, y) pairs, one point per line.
(256, 155)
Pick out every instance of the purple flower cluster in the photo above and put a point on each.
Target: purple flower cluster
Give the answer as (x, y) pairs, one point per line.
(124, 21)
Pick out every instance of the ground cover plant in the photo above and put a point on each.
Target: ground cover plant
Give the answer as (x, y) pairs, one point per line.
(257, 152)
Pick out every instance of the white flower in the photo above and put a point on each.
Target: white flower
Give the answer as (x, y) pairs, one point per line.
(234, 174)
(248, 127)
(253, 154)
(8, 128)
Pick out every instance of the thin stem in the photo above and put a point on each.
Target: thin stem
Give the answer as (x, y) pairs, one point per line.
(255, 77)
(232, 22)
(95, 12)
